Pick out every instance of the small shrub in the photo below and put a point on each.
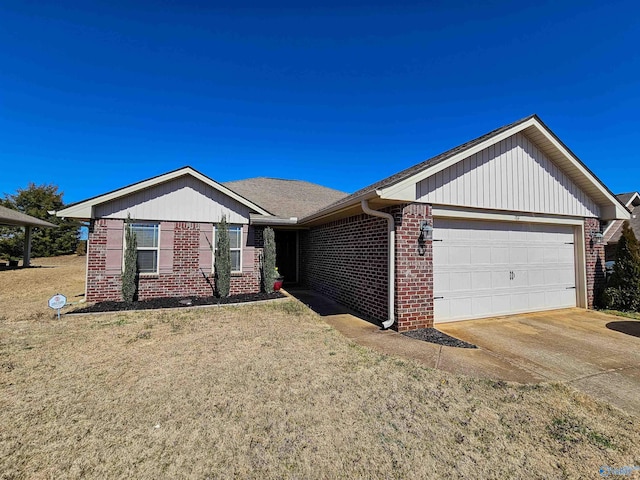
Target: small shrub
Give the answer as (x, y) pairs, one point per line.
(223, 259)
(623, 287)
(269, 260)
(130, 274)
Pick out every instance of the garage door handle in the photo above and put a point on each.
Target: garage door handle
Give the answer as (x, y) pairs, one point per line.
(438, 298)
(569, 288)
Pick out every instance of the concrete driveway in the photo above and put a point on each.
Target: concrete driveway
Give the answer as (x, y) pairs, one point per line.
(596, 353)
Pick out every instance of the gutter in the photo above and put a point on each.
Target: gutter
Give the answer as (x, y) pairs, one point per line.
(391, 225)
(264, 220)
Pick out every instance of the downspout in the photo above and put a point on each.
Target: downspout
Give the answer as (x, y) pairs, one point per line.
(392, 259)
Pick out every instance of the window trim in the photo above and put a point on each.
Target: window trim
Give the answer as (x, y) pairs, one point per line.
(240, 249)
(157, 248)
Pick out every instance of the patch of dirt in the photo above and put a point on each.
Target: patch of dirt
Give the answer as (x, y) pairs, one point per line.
(432, 335)
(176, 302)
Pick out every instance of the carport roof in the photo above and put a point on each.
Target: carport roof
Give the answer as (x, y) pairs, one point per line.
(9, 216)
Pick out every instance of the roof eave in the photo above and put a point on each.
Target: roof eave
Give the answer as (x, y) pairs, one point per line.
(332, 210)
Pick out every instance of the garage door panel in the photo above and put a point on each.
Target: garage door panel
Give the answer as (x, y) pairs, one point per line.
(501, 303)
(482, 304)
(500, 278)
(537, 301)
(460, 255)
(498, 255)
(536, 255)
(518, 254)
(497, 268)
(480, 255)
(481, 280)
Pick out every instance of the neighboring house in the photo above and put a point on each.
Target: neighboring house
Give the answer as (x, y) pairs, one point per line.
(506, 223)
(613, 230)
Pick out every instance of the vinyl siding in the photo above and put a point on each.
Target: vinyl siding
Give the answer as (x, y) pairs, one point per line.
(514, 175)
(183, 199)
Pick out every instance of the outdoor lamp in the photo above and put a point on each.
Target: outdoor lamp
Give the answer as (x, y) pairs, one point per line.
(596, 238)
(426, 234)
(426, 231)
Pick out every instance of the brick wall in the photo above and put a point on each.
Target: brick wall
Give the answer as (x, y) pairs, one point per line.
(347, 261)
(414, 269)
(185, 277)
(595, 258)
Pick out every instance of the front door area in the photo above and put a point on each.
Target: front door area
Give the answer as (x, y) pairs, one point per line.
(287, 255)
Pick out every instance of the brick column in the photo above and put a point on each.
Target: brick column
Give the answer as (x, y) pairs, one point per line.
(414, 269)
(594, 261)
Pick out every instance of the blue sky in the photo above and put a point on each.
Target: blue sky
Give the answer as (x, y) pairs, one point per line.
(97, 95)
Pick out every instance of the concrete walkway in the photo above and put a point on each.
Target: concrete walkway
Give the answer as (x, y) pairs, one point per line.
(596, 353)
(475, 362)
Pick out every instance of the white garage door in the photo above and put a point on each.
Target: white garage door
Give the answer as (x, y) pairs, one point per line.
(482, 269)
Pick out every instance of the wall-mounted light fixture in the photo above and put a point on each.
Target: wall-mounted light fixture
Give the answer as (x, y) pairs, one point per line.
(596, 238)
(426, 230)
(426, 235)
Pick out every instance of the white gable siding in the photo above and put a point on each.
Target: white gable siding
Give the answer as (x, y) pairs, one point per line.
(183, 199)
(510, 175)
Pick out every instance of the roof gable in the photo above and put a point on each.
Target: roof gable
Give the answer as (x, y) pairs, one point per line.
(401, 187)
(513, 174)
(146, 191)
(629, 199)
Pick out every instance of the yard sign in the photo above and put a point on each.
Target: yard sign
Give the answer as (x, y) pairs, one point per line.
(57, 302)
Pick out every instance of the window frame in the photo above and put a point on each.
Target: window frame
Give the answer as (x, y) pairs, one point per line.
(239, 249)
(156, 248)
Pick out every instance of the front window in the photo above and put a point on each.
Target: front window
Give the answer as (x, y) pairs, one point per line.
(235, 242)
(148, 251)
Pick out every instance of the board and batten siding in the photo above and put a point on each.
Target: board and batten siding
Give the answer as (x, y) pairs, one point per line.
(510, 175)
(183, 199)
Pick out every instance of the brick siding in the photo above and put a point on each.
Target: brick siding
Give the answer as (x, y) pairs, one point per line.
(414, 269)
(595, 258)
(347, 260)
(185, 279)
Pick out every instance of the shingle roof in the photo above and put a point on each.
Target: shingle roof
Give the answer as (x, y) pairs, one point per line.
(625, 197)
(404, 174)
(285, 198)
(9, 216)
(613, 236)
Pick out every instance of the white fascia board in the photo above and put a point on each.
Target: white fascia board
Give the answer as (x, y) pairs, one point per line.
(615, 212)
(444, 211)
(325, 212)
(85, 209)
(393, 190)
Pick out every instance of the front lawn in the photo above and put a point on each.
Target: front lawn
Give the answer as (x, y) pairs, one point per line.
(271, 391)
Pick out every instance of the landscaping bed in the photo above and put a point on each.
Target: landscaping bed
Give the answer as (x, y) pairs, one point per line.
(432, 335)
(176, 302)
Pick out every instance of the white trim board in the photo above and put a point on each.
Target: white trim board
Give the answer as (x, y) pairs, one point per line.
(453, 212)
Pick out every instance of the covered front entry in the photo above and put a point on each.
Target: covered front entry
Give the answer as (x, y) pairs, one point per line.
(287, 255)
(489, 268)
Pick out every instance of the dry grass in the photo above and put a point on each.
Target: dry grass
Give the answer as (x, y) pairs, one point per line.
(619, 313)
(24, 292)
(271, 391)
